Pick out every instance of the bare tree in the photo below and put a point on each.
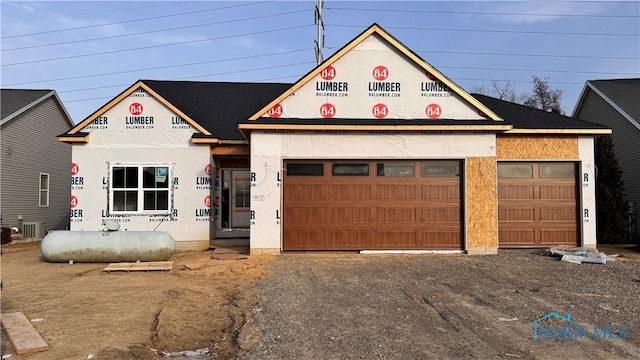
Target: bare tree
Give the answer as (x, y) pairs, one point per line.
(543, 97)
(501, 89)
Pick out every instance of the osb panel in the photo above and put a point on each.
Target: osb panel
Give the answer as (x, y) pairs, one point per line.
(520, 147)
(482, 203)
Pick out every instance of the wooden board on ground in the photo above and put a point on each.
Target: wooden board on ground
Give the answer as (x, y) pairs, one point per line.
(140, 266)
(230, 253)
(231, 250)
(23, 336)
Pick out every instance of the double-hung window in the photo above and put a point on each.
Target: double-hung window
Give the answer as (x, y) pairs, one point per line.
(140, 189)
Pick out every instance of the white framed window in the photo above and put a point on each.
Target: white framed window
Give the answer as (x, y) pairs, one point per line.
(140, 189)
(44, 190)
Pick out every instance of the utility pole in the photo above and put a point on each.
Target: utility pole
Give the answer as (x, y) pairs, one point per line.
(320, 39)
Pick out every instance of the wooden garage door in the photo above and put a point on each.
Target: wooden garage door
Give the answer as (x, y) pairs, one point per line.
(358, 205)
(537, 204)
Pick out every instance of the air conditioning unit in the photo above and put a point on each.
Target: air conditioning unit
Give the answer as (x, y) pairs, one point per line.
(33, 230)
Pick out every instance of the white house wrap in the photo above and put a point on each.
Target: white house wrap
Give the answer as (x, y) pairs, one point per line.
(374, 149)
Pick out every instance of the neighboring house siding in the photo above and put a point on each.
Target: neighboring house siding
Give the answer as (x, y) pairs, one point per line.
(30, 147)
(626, 138)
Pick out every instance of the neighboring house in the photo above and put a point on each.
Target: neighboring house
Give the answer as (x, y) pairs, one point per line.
(616, 104)
(34, 184)
(374, 149)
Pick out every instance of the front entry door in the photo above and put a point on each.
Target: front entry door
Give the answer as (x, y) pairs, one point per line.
(240, 197)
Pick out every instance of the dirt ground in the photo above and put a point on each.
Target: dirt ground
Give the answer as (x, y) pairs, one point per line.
(444, 307)
(323, 305)
(81, 310)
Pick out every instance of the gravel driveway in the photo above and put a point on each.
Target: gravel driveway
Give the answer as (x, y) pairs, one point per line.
(351, 306)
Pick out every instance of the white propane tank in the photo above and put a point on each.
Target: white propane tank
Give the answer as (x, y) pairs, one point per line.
(107, 246)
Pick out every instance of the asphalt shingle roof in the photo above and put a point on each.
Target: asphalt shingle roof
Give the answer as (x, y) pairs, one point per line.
(623, 92)
(218, 106)
(524, 117)
(12, 100)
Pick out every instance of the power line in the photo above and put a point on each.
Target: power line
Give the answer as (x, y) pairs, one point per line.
(481, 13)
(535, 70)
(491, 31)
(515, 54)
(155, 31)
(156, 5)
(136, 20)
(521, 81)
(248, 70)
(297, 76)
(157, 68)
(196, 76)
(295, 51)
(154, 46)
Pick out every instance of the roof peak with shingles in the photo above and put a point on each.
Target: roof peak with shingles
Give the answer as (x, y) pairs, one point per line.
(411, 56)
(14, 100)
(214, 108)
(623, 93)
(527, 118)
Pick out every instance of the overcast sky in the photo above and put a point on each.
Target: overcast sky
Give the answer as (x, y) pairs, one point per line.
(90, 51)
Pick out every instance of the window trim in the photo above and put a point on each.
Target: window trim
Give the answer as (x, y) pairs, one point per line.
(351, 163)
(140, 189)
(554, 176)
(381, 164)
(293, 164)
(459, 168)
(41, 190)
(516, 163)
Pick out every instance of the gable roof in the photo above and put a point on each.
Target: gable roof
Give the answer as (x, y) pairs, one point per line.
(517, 119)
(14, 102)
(412, 56)
(622, 94)
(218, 106)
(526, 119)
(213, 108)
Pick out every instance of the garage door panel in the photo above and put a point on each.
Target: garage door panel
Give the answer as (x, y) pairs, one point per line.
(537, 208)
(558, 192)
(382, 209)
(396, 215)
(306, 192)
(441, 239)
(396, 239)
(396, 192)
(351, 215)
(304, 239)
(440, 215)
(516, 192)
(557, 236)
(561, 214)
(517, 237)
(350, 191)
(305, 214)
(516, 214)
(434, 191)
(349, 239)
